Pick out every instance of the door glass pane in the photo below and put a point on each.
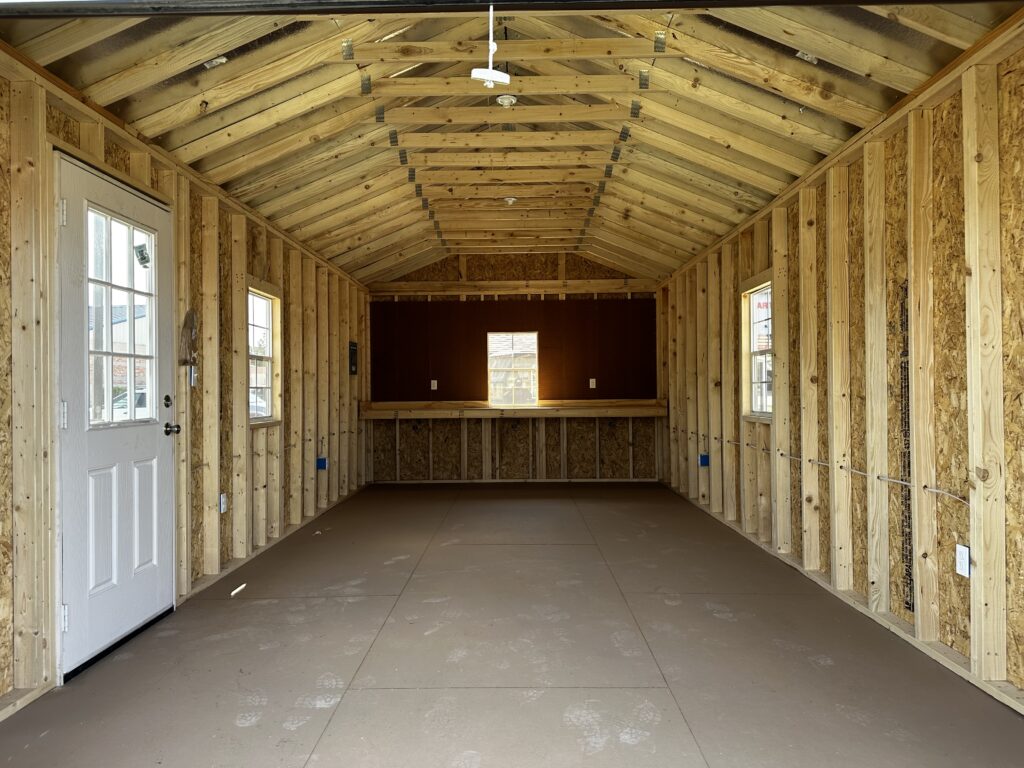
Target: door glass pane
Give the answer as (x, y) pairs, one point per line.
(99, 318)
(143, 317)
(120, 334)
(120, 250)
(99, 388)
(120, 396)
(97, 246)
(143, 260)
(143, 389)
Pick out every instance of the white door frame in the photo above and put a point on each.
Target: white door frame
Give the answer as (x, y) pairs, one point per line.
(169, 294)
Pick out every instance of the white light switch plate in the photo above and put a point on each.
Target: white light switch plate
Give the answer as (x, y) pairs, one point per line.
(593, 383)
(963, 560)
(223, 503)
(433, 385)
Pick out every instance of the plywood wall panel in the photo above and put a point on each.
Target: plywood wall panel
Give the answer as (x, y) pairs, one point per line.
(644, 449)
(446, 449)
(474, 449)
(858, 435)
(227, 373)
(6, 509)
(1011, 155)
(950, 351)
(513, 457)
(63, 126)
(195, 271)
(553, 447)
(542, 266)
(444, 269)
(614, 448)
(795, 495)
(896, 345)
(821, 451)
(383, 451)
(117, 156)
(580, 268)
(414, 450)
(580, 448)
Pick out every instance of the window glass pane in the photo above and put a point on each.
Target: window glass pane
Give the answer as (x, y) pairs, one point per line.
(762, 336)
(120, 254)
(143, 260)
(512, 362)
(99, 388)
(97, 245)
(761, 305)
(143, 316)
(259, 311)
(99, 318)
(122, 405)
(259, 402)
(259, 341)
(119, 320)
(143, 389)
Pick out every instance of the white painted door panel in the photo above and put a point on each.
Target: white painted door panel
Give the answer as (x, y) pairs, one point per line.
(116, 368)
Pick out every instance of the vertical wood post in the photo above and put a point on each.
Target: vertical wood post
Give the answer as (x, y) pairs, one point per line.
(293, 440)
(309, 387)
(714, 356)
(922, 373)
(876, 387)
(210, 380)
(701, 401)
(730, 403)
(809, 376)
(241, 544)
(985, 430)
(782, 529)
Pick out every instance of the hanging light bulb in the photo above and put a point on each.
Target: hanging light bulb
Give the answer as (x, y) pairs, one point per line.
(507, 100)
(490, 76)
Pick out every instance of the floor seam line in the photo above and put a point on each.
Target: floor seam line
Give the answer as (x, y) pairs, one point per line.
(380, 629)
(647, 643)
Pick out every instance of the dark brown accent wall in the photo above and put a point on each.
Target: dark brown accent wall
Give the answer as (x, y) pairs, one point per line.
(611, 340)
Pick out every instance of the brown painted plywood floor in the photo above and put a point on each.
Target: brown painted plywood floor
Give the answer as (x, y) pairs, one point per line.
(515, 627)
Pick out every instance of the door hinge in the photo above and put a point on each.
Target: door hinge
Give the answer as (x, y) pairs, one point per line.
(64, 617)
(63, 212)
(63, 414)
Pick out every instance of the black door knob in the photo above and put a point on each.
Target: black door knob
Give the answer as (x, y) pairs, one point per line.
(172, 429)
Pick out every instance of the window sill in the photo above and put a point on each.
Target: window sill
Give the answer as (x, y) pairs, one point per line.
(266, 421)
(757, 418)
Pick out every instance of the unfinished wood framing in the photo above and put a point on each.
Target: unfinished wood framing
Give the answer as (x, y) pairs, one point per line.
(241, 544)
(809, 377)
(782, 531)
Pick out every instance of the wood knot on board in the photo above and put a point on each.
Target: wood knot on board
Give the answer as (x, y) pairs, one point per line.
(982, 473)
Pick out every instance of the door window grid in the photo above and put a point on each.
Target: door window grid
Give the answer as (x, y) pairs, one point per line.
(261, 355)
(759, 304)
(512, 368)
(120, 301)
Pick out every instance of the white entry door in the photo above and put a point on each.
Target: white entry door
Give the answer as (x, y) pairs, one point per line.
(116, 382)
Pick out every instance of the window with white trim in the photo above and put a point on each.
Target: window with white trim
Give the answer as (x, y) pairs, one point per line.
(512, 368)
(261, 355)
(759, 348)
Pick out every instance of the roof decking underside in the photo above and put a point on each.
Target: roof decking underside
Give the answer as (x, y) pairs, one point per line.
(367, 140)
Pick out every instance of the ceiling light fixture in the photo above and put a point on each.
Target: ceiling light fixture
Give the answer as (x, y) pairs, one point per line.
(510, 200)
(215, 62)
(490, 76)
(507, 100)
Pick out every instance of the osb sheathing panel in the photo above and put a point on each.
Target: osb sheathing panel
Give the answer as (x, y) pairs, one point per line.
(613, 447)
(580, 448)
(117, 156)
(6, 509)
(580, 268)
(858, 444)
(896, 290)
(474, 449)
(195, 281)
(413, 449)
(824, 521)
(63, 126)
(445, 269)
(383, 450)
(553, 448)
(513, 437)
(796, 501)
(950, 350)
(446, 449)
(227, 373)
(1011, 180)
(256, 248)
(543, 266)
(644, 449)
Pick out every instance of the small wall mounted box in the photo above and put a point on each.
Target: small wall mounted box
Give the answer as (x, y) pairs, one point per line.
(321, 462)
(593, 383)
(433, 385)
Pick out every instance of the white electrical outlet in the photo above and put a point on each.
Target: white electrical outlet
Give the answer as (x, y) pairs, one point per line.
(433, 385)
(593, 383)
(223, 503)
(963, 560)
